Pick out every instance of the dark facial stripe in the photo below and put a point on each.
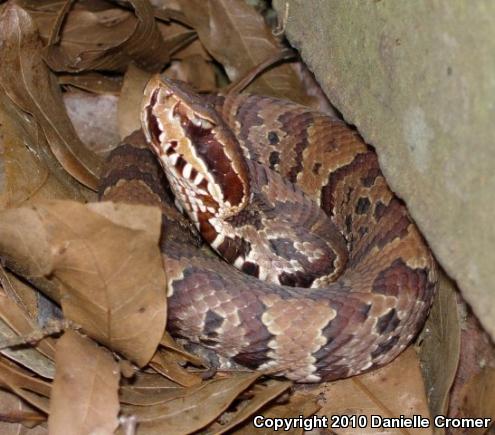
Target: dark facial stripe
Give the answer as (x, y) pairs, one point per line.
(212, 152)
(153, 126)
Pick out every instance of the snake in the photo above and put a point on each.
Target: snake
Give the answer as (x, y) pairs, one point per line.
(284, 248)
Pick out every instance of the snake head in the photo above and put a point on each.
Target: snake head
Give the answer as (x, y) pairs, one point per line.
(199, 154)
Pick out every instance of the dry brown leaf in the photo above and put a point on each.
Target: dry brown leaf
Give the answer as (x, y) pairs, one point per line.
(33, 390)
(181, 38)
(151, 394)
(167, 363)
(108, 270)
(107, 40)
(85, 390)
(250, 42)
(170, 344)
(192, 409)
(194, 70)
(440, 344)
(27, 176)
(298, 404)
(393, 390)
(195, 48)
(145, 389)
(14, 321)
(17, 418)
(93, 82)
(478, 399)
(131, 96)
(262, 394)
(24, 295)
(31, 86)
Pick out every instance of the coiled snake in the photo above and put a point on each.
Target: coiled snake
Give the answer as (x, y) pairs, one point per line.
(269, 183)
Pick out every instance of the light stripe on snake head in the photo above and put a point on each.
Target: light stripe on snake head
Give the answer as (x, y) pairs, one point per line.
(201, 157)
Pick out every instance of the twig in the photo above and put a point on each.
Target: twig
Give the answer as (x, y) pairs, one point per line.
(52, 327)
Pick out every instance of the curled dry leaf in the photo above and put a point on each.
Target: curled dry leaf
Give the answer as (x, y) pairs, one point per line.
(168, 364)
(33, 88)
(27, 175)
(149, 397)
(181, 39)
(297, 404)
(129, 105)
(478, 399)
(92, 82)
(33, 390)
(194, 70)
(85, 390)
(262, 394)
(14, 321)
(250, 42)
(127, 37)
(472, 392)
(193, 408)
(393, 390)
(440, 345)
(105, 263)
(14, 413)
(146, 389)
(170, 344)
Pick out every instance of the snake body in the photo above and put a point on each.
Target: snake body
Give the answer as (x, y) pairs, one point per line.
(249, 165)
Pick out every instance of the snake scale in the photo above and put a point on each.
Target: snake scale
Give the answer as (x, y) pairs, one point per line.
(244, 164)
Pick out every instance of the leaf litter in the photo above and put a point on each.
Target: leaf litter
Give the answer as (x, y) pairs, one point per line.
(101, 360)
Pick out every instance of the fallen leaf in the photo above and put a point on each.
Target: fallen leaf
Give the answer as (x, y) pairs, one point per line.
(170, 344)
(167, 363)
(32, 87)
(153, 393)
(23, 294)
(440, 345)
(194, 70)
(478, 399)
(250, 42)
(85, 390)
(31, 389)
(262, 394)
(193, 410)
(390, 391)
(296, 405)
(131, 96)
(14, 322)
(17, 418)
(145, 389)
(29, 173)
(92, 82)
(107, 270)
(472, 391)
(117, 38)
